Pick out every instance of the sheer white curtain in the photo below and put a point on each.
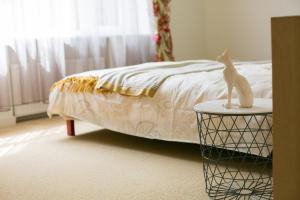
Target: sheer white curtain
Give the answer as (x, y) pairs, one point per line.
(42, 41)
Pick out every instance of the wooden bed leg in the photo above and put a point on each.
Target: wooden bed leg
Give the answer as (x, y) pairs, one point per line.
(70, 128)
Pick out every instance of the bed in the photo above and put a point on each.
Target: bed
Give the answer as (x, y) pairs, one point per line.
(166, 115)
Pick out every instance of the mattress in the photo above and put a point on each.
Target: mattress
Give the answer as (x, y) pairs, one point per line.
(169, 115)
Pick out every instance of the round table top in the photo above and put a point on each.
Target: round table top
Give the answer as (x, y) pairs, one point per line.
(260, 106)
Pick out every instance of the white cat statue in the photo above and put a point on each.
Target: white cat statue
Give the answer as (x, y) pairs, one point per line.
(235, 80)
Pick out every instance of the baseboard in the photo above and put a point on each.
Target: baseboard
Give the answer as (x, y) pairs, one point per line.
(31, 117)
(23, 113)
(30, 109)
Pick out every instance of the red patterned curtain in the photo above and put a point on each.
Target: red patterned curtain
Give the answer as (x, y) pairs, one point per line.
(163, 38)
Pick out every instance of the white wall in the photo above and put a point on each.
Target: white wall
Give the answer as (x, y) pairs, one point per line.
(242, 26)
(285, 7)
(187, 30)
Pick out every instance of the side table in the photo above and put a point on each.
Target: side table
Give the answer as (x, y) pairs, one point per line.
(236, 146)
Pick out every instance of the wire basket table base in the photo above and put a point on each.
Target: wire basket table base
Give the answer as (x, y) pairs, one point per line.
(237, 155)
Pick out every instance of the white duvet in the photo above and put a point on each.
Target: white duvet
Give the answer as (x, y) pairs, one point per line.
(169, 115)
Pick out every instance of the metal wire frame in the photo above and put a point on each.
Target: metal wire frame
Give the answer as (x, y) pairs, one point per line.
(237, 155)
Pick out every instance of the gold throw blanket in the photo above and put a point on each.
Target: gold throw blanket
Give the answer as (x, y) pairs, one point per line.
(138, 80)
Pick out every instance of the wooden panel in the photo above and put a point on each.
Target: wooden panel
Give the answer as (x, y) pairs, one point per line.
(286, 107)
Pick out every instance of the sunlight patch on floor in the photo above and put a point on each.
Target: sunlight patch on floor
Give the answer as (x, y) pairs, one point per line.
(13, 144)
(15, 139)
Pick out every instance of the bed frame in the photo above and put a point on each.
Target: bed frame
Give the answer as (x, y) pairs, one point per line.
(70, 127)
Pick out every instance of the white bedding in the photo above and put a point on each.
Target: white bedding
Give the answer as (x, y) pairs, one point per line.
(169, 114)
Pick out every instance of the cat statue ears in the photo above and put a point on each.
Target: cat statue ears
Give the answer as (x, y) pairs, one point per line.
(224, 57)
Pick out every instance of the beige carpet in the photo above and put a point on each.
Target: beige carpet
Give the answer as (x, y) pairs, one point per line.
(38, 161)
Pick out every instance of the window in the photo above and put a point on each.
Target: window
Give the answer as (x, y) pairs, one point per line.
(47, 18)
(42, 41)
